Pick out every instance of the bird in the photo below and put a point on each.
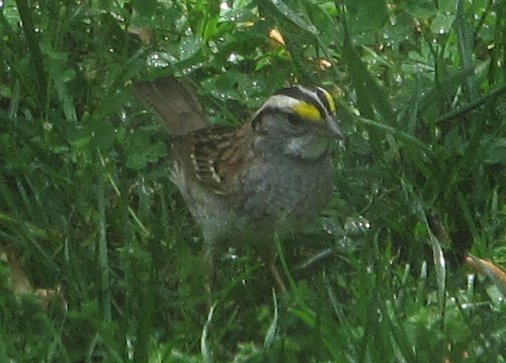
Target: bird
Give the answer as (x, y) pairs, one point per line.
(251, 184)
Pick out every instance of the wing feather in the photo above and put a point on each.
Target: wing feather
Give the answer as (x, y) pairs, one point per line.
(216, 155)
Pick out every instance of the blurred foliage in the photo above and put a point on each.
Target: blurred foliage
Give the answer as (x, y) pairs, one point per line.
(86, 203)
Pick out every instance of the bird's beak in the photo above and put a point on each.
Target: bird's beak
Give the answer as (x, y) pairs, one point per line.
(332, 125)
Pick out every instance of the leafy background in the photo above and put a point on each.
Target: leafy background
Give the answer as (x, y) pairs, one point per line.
(88, 213)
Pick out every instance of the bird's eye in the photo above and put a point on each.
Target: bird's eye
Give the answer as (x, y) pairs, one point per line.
(293, 120)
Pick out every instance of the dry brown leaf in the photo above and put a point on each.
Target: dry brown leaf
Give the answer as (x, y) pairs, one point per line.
(275, 35)
(485, 267)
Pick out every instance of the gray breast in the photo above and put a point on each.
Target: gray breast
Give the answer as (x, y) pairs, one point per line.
(286, 194)
(280, 196)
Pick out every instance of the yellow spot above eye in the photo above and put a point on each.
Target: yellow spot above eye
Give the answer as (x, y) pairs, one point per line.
(330, 100)
(307, 111)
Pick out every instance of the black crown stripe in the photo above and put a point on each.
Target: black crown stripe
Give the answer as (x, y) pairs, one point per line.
(323, 99)
(298, 93)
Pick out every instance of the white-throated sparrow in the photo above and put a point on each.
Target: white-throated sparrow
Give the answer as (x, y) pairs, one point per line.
(270, 176)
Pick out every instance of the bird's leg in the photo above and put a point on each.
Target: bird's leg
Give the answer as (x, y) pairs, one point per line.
(271, 253)
(277, 276)
(209, 257)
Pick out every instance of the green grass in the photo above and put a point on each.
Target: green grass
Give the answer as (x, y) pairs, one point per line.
(86, 204)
